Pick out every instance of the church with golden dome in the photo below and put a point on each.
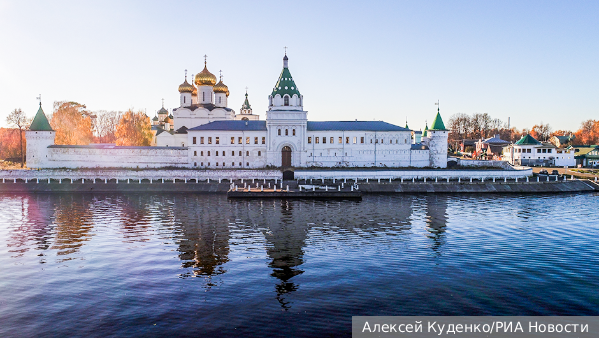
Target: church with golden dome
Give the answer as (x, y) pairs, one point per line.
(204, 133)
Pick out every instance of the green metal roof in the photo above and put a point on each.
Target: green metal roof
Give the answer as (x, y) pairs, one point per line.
(40, 122)
(246, 103)
(438, 123)
(527, 140)
(285, 84)
(425, 129)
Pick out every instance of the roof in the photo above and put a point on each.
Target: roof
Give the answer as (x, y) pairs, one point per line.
(246, 103)
(565, 138)
(527, 140)
(495, 140)
(354, 125)
(285, 84)
(208, 106)
(182, 130)
(232, 125)
(437, 123)
(40, 122)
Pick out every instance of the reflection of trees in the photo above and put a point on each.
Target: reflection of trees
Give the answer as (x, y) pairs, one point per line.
(204, 241)
(436, 221)
(73, 219)
(31, 225)
(133, 216)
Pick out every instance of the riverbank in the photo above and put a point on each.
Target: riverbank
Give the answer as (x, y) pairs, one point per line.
(255, 185)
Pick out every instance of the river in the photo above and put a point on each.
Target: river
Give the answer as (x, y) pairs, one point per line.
(98, 265)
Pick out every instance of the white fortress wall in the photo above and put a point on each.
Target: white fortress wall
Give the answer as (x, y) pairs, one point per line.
(60, 156)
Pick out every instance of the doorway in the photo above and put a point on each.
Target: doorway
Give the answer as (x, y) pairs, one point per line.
(286, 157)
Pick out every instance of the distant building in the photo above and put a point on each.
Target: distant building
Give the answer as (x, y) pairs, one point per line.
(586, 156)
(562, 141)
(530, 152)
(492, 146)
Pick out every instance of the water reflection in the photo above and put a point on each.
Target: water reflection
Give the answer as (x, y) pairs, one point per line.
(436, 221)
(286, 240)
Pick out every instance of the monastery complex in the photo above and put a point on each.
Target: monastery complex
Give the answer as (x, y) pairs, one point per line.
(204, 133)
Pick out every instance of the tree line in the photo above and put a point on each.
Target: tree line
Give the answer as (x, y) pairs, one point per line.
(76, 125)
(482, 125)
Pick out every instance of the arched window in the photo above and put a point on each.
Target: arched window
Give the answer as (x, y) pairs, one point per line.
(203, 96)
(219, 99)
(244, 119)
(286, 132)
(286, 100)
(279, 132)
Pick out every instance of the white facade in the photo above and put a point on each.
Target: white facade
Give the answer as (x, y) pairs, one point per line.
(208, 134)
(529, 151)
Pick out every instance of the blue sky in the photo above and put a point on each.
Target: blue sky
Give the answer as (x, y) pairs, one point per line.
(533, 61)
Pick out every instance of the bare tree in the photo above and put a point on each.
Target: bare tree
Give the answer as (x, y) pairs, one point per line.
(105, 126)
(18, 118)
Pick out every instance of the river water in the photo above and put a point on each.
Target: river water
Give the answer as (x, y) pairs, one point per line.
(200, 265)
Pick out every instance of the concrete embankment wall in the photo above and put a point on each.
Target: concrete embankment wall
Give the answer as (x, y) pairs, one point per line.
(441, 174)
(213, 187)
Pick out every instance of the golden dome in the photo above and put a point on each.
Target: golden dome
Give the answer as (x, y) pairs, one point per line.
(195, 91)
(185, 87)
(205, 78)
(168, 120)
(221, 88)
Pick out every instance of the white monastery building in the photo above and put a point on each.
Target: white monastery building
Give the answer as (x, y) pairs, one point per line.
(530, 152)
(203, 132)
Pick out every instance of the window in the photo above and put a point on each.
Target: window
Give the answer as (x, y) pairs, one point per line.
(232, 164)
(324, 140)
(355, 140)
(216, 153)
(202, 140)
(201, 154)
(528, 150)
(293, 132)
(538, 151)
(247, 140)
(317, 140)
(232, 152)
(208, 154)
(210, 140)
(263, 140)
(259, 153)
(286, 132)
(549, 150)
(247, 164)
(195, 153)
(203, 96)
(195, 164)
(362, 139)
(194, 140)
(232, 139)
(347, 140)
(239, 140)
(332, 140)
(217, 164)
(255, 140)
(219, 99)
(240, 155)
(223, 164)
(208, 164)
(247, 153)
(370, 140)
(309, 139)
(240, 164)
(286, 99)
(279, 131)
(184, 102)
(340, 140)
(202, 164)
(217, 140)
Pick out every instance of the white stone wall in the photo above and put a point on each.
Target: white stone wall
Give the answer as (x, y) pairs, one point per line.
(184, 116)
(437, 143)
(117, 157)
(286, 120)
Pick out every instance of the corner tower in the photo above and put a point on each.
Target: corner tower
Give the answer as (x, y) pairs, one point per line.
(39, 137)
(437, 142)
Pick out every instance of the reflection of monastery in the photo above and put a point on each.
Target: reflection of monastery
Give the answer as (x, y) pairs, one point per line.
(204, 133)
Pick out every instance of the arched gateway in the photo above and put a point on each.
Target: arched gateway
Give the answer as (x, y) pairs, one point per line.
(286, 157)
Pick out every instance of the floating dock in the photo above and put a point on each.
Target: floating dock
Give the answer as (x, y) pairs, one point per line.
(345, 195)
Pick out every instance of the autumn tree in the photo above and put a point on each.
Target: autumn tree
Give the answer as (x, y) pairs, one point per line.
(134, 129)
(72, 123)
(588, 133)
(10, 145)
(105, 125)
(18, 118)
(541, 132)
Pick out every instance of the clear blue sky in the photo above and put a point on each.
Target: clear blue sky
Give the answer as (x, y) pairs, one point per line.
(533, 61)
